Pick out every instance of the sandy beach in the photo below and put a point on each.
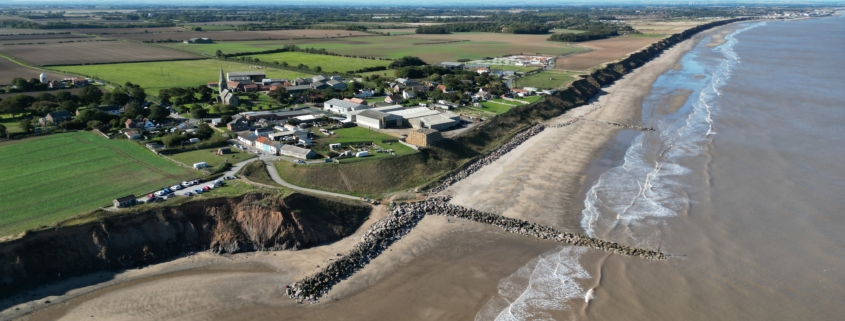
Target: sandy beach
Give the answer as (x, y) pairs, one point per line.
(444, 269)
(541, 180)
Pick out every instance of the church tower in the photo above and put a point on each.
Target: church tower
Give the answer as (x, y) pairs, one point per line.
(221, 83)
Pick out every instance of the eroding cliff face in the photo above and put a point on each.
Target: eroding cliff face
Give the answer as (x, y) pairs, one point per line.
(246, 223)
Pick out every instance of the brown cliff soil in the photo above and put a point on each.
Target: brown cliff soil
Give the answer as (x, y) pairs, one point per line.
(252, 222)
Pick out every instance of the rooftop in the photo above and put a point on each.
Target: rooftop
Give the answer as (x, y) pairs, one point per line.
(374, 114)
(414, 112)
(341, 103)
(293, 150)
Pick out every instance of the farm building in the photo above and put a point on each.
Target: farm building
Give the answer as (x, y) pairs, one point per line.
(356, 101)
(338, 106)
(223, 151)
(125, 201)
(442, 121)
(377, 119)
(298, 152)
(424, 137)
(451, 65)
(256, 76)
(133, 135)
(198, 40)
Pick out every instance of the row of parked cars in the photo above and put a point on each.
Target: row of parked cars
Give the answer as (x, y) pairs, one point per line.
(168, 192)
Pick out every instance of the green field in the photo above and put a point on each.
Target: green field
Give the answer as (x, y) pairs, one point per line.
(153, 76)
(431, 48)
(498, 106)
(208, 155)
(359, 134)
(327, 63)
(547, 79)
(51, 178)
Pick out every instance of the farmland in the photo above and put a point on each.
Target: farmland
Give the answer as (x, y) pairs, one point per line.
(241, 35)
(603, 51)
(10, 70)
(51, 178)
(431, 48)
(327, 63)
(209, 156)
(89, 52)
(547, 79)
(153, 76)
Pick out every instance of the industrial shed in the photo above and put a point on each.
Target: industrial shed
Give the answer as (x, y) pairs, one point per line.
(377, 119)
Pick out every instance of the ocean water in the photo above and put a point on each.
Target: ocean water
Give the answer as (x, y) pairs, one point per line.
(744, 185)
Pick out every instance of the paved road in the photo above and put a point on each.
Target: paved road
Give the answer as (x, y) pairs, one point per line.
(275, 175)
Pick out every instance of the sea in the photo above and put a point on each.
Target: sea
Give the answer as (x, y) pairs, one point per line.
(743, 185)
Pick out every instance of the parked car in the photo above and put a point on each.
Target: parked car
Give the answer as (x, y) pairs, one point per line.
(198, 191)
(206, 188)
(150, 195)
(187, 183)
(189, 194)
(176, 187)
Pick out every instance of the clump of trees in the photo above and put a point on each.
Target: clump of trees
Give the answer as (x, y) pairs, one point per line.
(407, 61)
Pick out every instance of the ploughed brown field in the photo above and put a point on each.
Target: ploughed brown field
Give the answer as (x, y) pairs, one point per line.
(241, 35)
(98, 31)
(38, 36)
(10, 70)
(603, 51)
(90, 52)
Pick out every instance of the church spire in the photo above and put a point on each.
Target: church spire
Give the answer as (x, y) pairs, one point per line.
(221, 83)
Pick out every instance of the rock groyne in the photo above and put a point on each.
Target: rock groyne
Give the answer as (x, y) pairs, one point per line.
(404, 217)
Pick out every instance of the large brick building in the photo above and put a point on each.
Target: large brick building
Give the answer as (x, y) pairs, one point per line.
(424, 137)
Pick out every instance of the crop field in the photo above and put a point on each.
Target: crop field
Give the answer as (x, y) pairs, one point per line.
(153, 76)
(51, 178)
(103, 31)
(10, 70)
(664, 27)
(209, 156)
(241, 35)
(36, 37)
(431, 48)
(90, 52)
(327, 63)
(547, 79)
(603, 51)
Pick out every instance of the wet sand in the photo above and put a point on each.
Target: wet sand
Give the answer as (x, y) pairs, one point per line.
(444, 269)
(673, 101)
(540, 180)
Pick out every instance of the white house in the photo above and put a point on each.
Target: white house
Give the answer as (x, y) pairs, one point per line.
(408, 94)
(365, 93)
(342, 107)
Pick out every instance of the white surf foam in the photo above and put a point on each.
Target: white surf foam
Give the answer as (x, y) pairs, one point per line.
(648, 185)
(545, 284)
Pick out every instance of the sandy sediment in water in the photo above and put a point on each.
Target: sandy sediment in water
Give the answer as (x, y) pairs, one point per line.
(540, 180)
(444, 269)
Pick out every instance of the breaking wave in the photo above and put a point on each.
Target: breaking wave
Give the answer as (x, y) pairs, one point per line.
(545, 284)
(648, 185)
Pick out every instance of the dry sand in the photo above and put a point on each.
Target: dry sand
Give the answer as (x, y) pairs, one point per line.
(540, 180)
(444, 269)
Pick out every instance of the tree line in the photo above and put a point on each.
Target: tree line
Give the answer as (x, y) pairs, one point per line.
(515, 28)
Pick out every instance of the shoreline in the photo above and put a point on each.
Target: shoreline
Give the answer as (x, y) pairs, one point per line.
(542, 179)
(589, 134)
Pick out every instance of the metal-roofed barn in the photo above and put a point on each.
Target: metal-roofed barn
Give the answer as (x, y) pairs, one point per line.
(298, 152)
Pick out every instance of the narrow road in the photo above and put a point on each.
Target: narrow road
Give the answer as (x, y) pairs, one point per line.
(275, 175)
